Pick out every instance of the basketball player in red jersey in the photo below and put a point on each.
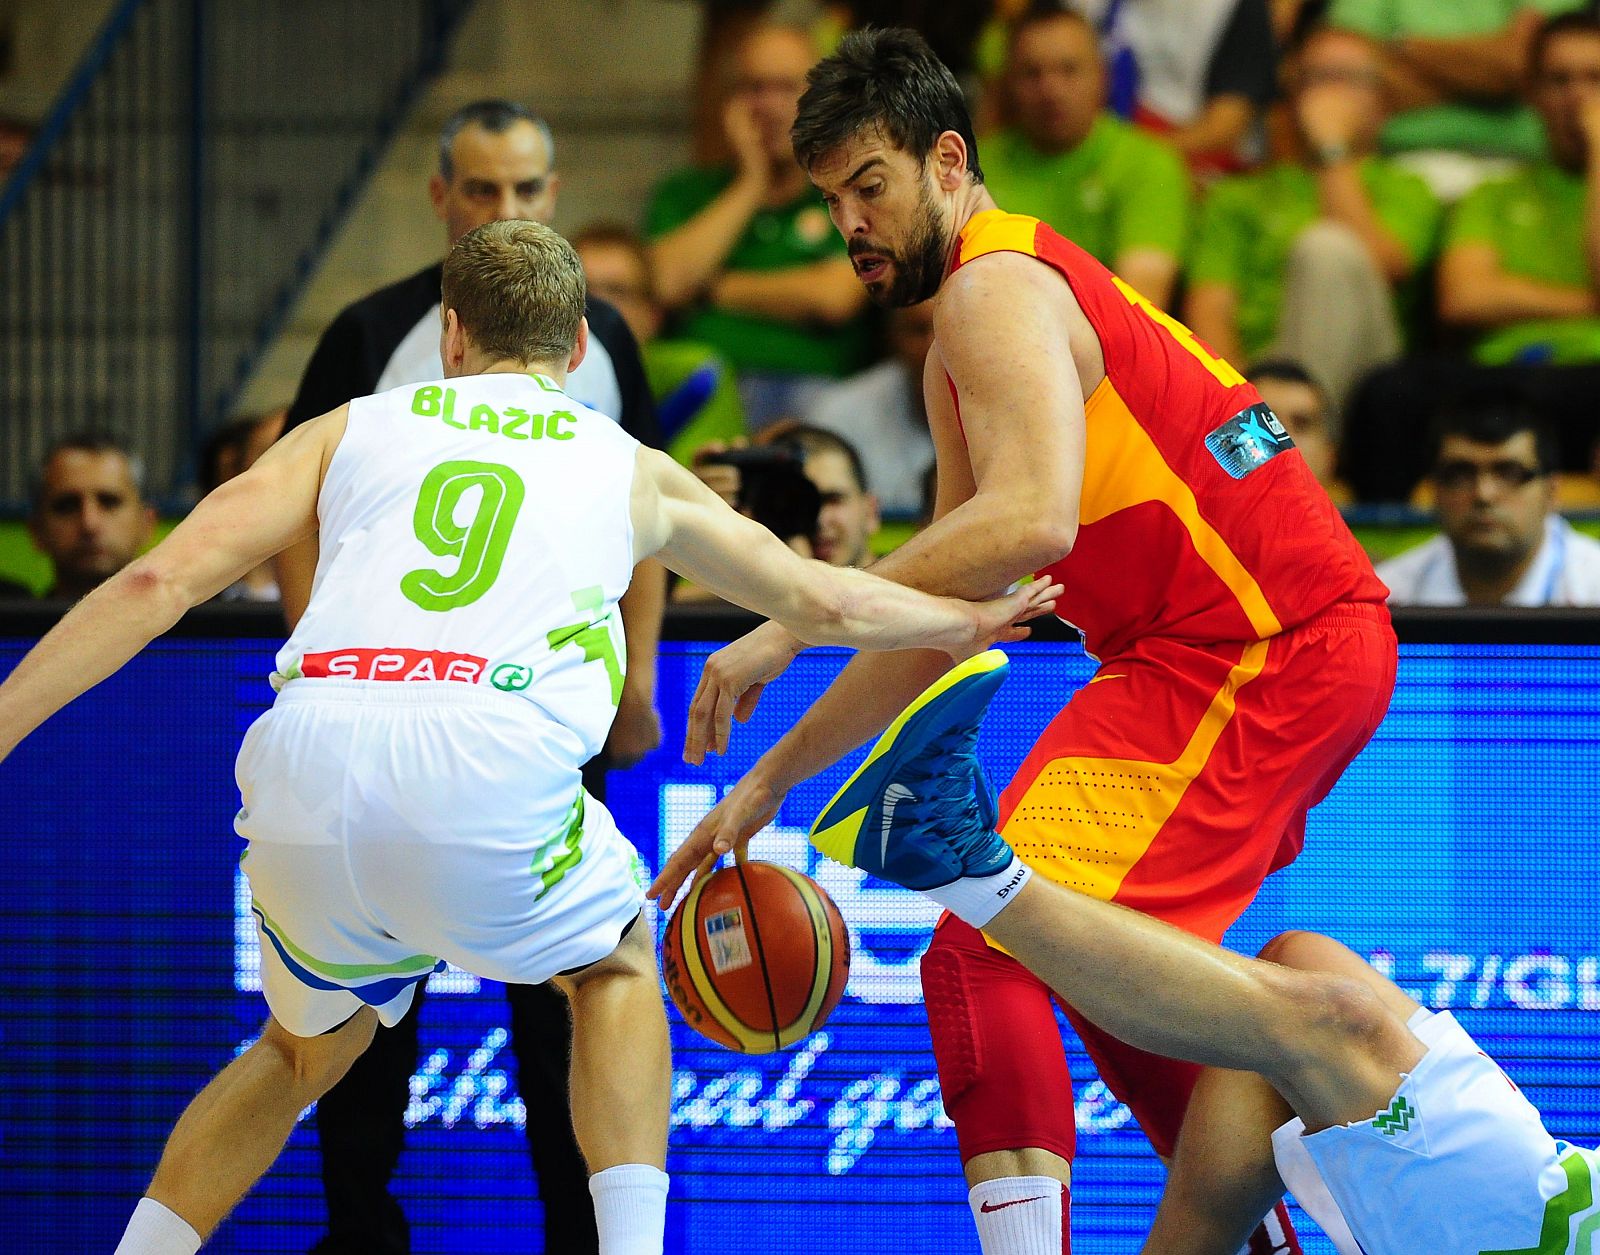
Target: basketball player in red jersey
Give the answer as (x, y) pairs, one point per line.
(1246, 655)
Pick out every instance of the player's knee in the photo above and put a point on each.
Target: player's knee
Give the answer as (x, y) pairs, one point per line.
(631, 964)
(1002, 1069)
(1297, 949)
(1326, 1018)
(317, 1063)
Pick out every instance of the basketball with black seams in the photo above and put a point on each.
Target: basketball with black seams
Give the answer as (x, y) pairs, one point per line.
(756, 957)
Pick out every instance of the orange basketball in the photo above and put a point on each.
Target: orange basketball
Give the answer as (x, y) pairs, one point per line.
(756, 957)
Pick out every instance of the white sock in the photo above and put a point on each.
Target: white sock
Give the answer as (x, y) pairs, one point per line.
(157, 1230)
(976, 900)
(1020, 1216)
(630, 1209)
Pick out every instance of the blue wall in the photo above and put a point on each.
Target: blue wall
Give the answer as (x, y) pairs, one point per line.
(1458, 850)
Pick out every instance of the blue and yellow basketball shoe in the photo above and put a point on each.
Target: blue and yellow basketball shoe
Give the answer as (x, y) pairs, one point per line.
(919, 810)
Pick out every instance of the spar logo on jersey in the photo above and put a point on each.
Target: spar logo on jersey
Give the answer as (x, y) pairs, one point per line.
(393, 664)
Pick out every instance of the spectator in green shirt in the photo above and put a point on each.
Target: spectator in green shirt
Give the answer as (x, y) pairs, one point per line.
(1454, 73)
(1521, 265)
(745, 256)
(697, 402)
(1111, 188)
(1305, 260)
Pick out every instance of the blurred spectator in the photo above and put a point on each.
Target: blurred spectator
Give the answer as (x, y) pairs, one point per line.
(697, 401)
(1521, 264)
(89, 516)
(744, 254)
(881, 413)
(1199, 72)
(232, 450)
(1453, 73)
(1501, 544)
(1304, 259)
(1302, 407)
(496, 161)
(849, 512)
(1110, 188)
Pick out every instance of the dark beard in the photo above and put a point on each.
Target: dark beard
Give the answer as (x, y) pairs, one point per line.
(919, 273)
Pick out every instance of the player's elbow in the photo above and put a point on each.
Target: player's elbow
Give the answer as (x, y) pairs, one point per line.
(149, 582)
(1044, 540)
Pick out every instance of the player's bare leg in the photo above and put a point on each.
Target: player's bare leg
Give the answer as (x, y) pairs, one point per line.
(1027, 1162)
(1224, 1177)
(1328, 1043)
(236, 1126)
(621, 1092)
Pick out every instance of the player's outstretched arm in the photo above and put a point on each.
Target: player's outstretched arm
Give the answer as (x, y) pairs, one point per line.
(233, 530)
(693, 531)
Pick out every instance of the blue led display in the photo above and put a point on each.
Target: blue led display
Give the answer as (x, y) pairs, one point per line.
(1458, 851)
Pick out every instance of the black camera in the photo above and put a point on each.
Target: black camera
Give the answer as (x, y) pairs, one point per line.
(773, 488)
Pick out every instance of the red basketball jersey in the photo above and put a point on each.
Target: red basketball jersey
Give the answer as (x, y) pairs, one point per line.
(1199, 520)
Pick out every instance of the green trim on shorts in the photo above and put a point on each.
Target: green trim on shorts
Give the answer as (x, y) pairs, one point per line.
(564, 852)
(345, 971)
(1578, 1197)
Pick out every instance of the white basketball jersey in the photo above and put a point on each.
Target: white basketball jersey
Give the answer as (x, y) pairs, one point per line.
(475, 531)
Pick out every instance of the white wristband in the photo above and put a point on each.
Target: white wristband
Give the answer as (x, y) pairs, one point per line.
(977, 900)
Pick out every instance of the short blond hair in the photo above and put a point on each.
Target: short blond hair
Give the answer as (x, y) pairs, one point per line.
(518, 289)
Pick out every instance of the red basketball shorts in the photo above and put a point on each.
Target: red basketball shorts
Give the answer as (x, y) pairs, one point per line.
(1174, 782)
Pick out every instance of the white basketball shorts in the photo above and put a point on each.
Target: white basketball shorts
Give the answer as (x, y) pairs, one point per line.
(392, 827)
(1458, 1163)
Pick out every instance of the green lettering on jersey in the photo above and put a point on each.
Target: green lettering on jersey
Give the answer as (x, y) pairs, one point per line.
(592, 636)
(514, 422)
(484, 418)
(480, 543)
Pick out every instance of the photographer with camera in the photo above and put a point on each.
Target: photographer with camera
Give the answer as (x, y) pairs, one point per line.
(804, 484)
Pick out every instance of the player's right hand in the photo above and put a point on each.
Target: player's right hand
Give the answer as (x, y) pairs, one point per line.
(749, 807)
(731, 684)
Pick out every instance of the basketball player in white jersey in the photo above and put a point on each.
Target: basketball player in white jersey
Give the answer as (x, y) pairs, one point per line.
(413, 795)
(1385, 1120)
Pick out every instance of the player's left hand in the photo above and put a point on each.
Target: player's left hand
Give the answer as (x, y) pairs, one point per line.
(636, 731)
(749, 807)
(731, 684)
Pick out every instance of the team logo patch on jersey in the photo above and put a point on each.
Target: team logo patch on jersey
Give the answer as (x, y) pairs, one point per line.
(1251, 438)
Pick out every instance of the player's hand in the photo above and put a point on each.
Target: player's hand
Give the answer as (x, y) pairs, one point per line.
(750, 806)
(1001, 621)
(636, 731)
(730, 686)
